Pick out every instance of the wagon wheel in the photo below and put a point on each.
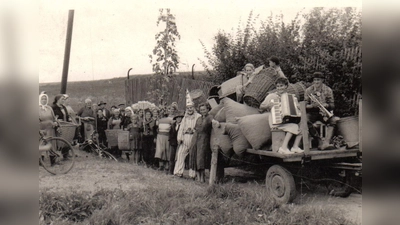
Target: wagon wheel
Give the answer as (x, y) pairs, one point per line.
(280, 184)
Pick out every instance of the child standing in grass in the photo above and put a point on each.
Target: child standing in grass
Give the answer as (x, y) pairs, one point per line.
(134, 137)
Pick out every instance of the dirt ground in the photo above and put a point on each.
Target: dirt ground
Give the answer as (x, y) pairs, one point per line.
(91, 174)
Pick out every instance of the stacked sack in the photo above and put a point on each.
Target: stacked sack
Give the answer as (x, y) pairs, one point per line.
(240, 127)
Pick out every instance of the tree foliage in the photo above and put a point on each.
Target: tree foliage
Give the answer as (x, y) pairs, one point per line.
(326, 40)
(165, 57)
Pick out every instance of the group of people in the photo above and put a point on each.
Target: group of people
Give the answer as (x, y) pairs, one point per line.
(316, 110)
(173, 140)
(168, 140)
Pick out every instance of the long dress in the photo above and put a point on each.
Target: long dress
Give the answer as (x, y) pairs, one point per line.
(185, 135)
(163, 146)
(200, 151)
(46, 119)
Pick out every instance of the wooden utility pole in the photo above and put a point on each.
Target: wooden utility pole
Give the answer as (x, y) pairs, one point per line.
(67, 52)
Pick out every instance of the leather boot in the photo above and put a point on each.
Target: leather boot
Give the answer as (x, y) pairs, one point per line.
(325, 142)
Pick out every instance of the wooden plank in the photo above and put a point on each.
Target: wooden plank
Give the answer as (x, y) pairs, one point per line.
(214, 164)
(315, 155)
(304, 127)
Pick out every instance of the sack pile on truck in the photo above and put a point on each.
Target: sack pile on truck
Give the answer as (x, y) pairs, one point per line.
(245, 126)
(239, 127)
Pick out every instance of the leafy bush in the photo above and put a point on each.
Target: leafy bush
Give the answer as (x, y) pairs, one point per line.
(325, 40)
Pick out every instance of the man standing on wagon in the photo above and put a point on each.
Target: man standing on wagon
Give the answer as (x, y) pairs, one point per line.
(317, 113)
(185, 135)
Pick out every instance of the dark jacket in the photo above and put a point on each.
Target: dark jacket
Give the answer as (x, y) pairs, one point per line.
(173, 135)
(57, 112)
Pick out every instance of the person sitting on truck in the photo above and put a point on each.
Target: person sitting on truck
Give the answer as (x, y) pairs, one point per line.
(290, 128)
(315, 115)
(248, 71)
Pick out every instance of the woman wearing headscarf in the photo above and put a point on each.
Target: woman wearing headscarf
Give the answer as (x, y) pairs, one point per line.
(47, 119)
(60, 111)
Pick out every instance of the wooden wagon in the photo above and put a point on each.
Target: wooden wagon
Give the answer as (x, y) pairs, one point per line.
(283, 168)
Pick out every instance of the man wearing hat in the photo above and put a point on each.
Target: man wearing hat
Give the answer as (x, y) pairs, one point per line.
(274, 64)
(185, 134)
(315, 115)
(173, 141)
(106, 112)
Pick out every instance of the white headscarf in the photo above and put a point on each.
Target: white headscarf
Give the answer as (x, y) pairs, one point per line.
(40, 104)
(129, 109)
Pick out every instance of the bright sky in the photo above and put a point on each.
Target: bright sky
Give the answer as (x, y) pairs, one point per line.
(109, 37)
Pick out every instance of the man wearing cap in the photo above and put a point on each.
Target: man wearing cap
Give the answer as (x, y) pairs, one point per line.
(122, 109)
(106, 112)
(185, 135)
(274, 64)
(324, 95)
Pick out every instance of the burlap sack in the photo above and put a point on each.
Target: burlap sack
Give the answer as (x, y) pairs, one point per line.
(239, 141)
(220, 116)
(256, 129)
(223, 141)
(234, 109)
(215, 110)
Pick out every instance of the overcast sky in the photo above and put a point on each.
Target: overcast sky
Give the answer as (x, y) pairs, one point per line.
(109, 37)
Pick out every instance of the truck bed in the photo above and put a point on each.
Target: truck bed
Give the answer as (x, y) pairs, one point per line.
(313, 153)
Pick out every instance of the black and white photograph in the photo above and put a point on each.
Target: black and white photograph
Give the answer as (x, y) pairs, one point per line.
(200, 112)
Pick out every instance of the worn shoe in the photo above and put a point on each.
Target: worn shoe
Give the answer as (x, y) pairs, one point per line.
(296, 150)
(284, 151)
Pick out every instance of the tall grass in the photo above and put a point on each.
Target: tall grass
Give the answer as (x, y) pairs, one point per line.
(223, 204)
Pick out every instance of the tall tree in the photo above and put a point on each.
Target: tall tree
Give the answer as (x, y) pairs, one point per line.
(165, 57)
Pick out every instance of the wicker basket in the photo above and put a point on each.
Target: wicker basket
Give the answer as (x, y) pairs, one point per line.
(68, 131)
(112, 137)
(123, 140)
(258, 89)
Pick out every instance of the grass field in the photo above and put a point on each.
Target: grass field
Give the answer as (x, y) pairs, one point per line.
(99, 191)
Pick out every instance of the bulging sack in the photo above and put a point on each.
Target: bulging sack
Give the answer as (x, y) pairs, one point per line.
(256, 129)
(234, 109)
(223, 141)
(215, 110)
(239, 141)
(221, 116)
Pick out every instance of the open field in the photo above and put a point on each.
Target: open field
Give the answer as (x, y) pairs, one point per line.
(106, 192)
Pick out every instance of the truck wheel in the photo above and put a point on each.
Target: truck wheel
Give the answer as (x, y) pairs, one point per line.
(280, 184)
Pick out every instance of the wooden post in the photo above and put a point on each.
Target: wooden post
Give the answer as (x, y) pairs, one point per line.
(67, 52)
(214, 164)
(304, 127)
